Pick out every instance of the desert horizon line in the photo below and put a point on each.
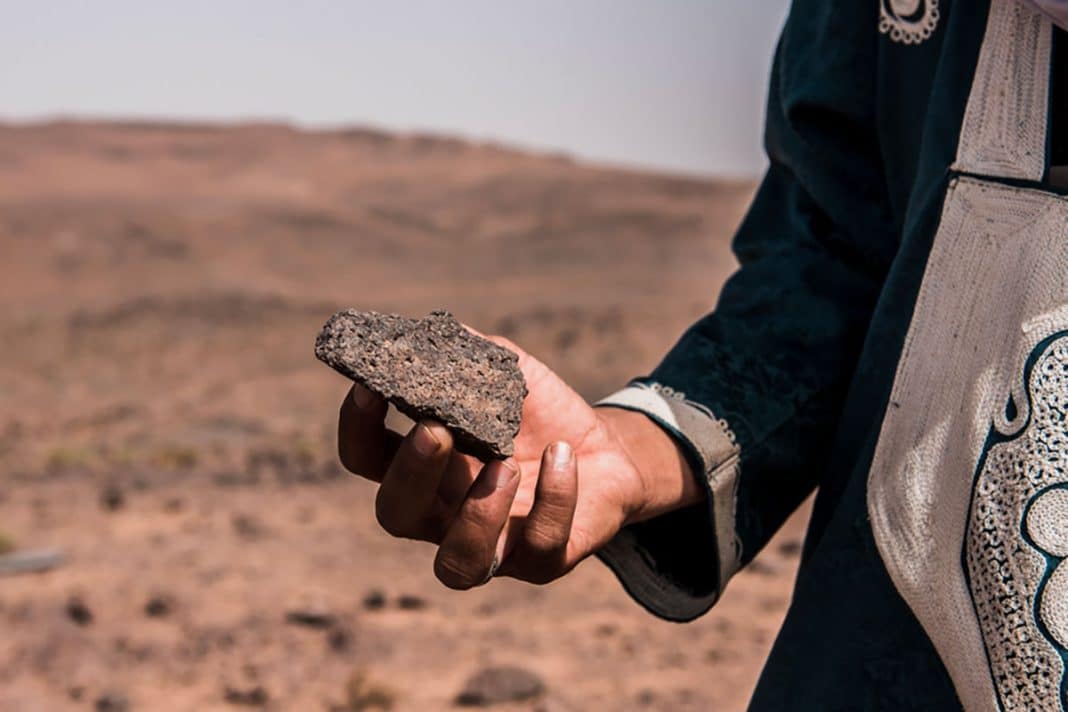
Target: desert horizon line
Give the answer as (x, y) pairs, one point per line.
(371, 130)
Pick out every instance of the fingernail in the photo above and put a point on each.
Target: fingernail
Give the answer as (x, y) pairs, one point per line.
(498, 475)
(362, 396)
(425, 441)
(561, 455)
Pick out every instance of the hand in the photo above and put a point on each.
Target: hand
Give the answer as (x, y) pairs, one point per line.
(579, 474)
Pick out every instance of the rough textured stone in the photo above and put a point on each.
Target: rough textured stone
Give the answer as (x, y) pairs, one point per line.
(432, 368)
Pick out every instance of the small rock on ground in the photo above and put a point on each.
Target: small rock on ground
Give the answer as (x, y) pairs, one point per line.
(111, 498)
(111, 702)
(158, 606)
(252, 696)
(78, 611)
(497, 685)
(410, 602)
(375, 600)
(311, 616)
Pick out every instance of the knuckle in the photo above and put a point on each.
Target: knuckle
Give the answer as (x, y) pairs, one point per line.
(482, 516)
(556, 502)
(390, 519)
(399, 522)
(355, 458)
(348, 459)
(543, 541)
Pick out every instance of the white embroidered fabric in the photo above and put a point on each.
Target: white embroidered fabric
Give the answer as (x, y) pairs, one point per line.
(993, 290)
(1023, 480)
(1005, 120)
(968, 490)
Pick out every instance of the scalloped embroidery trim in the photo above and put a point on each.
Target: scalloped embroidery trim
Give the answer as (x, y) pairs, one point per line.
(673, 394)
(908, 22)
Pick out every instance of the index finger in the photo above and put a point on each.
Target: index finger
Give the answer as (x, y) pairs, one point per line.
(364, 445)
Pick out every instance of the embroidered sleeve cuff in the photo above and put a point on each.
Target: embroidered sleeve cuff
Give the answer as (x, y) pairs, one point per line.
(677, 564)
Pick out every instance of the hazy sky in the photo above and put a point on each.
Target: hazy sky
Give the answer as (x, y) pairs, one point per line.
(665, 83)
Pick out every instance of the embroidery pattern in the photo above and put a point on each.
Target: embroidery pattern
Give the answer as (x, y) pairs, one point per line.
(669, 392)
(908, 21)
(1017, 540)
(1004, 129)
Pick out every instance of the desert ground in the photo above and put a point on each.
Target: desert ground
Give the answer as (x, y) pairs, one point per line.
(165, 428)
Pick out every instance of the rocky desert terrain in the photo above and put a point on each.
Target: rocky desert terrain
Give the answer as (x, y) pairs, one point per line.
(166, 430)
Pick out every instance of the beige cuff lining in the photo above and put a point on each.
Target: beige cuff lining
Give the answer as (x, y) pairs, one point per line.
(712, 439)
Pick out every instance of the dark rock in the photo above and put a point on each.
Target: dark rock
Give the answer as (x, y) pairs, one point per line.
(409, 602)
(78, 611)
(247, 526)
(375, 600)
(495, 685)
(255, 696)
(339, 639)
(111, 498)
(158, 606)
(311, 616)
(432, 368)
(606, 630)
(111, 702)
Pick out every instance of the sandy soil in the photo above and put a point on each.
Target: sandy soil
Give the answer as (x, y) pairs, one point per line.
(164, 424)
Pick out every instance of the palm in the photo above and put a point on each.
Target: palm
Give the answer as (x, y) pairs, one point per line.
(553, 411)
(569, 488)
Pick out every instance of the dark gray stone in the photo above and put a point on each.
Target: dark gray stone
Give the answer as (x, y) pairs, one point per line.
(496, 685)
(375, 600)
(112, 498)
(158, 606)
(411, 602)
(432, 368)
(78, 611)
(313, 616)
(255, 696)
(113, 701)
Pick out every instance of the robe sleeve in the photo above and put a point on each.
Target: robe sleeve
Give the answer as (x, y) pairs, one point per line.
(753, 391)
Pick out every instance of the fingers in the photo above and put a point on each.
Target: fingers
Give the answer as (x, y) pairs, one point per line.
(405, 502)
(541, 552)
(363, 443)
(472, 545)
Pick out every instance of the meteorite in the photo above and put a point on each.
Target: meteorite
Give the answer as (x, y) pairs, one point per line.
(432, 368)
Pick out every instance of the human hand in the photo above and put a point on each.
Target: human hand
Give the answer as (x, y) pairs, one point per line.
(572, 484)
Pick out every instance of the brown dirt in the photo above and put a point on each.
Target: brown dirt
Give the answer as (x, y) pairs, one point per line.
(164, 423)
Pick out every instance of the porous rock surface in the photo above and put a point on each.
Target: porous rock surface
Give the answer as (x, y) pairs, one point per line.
(432, 368)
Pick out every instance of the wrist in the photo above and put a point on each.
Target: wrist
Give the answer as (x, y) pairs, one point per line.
(664, 479)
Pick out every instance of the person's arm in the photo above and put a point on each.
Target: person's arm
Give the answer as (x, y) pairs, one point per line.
(752, 392)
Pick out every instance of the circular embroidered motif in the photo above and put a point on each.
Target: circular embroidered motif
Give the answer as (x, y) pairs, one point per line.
(908, 21)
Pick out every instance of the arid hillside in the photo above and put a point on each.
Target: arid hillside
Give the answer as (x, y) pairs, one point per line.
(164, 425)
